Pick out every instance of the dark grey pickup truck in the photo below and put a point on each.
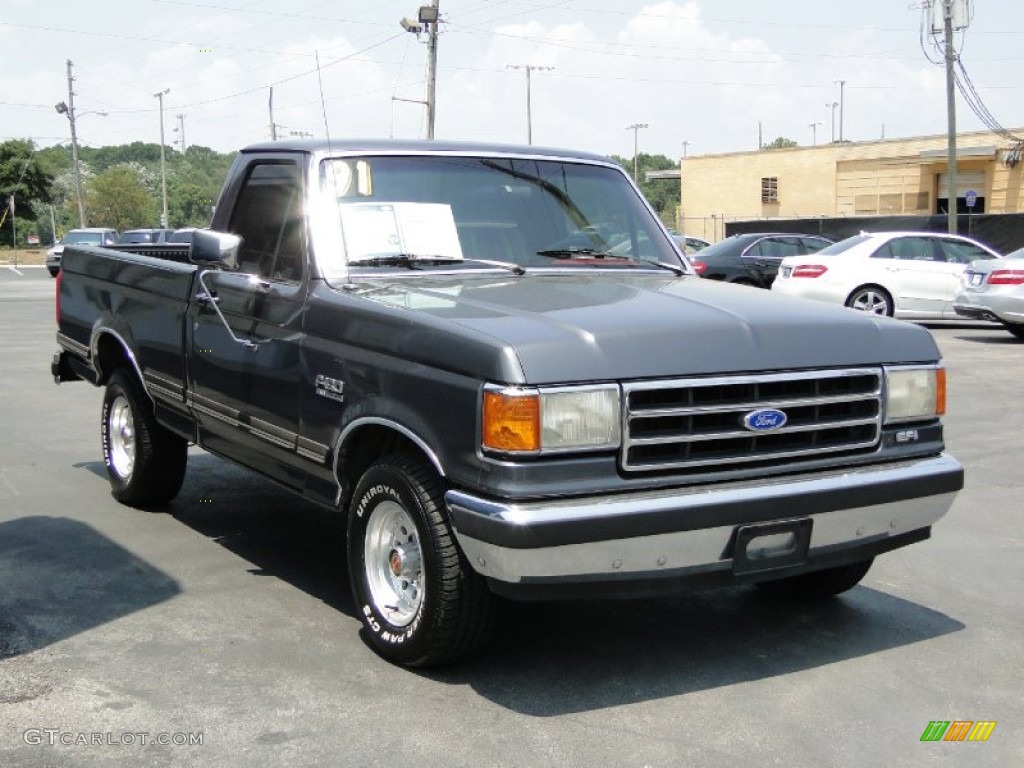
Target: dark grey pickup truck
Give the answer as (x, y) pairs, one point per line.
(495, 361)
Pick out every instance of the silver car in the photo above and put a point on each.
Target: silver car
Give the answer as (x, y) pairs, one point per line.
(994, 290)
(86, 236)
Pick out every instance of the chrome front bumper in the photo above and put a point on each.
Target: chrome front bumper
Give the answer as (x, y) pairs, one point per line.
(669, 533)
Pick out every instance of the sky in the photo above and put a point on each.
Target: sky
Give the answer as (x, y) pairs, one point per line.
(704, 76)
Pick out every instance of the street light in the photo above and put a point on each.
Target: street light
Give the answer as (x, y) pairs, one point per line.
(635, 128)
(814, 131)
(529, 112)
(69, 111)
(841, 84)
(163, 162)
(832, 105)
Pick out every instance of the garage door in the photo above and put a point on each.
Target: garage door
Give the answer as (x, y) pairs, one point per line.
(964, 180)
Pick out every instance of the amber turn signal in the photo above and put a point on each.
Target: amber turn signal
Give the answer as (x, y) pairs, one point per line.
(511, 421)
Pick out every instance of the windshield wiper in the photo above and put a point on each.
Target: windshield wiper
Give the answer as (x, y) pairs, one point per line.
(408, 260)
(414, 260)
(589, 253)
(592, 253)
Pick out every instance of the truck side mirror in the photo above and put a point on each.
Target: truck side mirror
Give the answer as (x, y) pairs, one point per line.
(215, 249)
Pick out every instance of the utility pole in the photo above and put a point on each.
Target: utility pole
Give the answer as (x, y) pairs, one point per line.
(69, 110)
(635, 128)
(529, 111)
(685, 145)
(842, 85)
(951, 204)
(180, 130)
(430, 18)
(273, 125)
(427, 19)
(163, 161)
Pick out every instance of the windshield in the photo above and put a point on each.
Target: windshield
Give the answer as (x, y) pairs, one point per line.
(440, 211)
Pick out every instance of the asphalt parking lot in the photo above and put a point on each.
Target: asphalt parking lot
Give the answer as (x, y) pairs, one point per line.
(221, 631)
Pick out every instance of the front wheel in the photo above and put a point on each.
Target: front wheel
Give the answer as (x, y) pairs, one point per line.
(145, 462)
(818, 585)
(419, 601)
(871, 299)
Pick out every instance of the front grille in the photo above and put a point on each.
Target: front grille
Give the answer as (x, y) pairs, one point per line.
(699, 423)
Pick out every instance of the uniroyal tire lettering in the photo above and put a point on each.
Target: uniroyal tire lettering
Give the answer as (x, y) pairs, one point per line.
(371, 494)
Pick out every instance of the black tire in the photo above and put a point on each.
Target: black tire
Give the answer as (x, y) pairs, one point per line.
(53, 272)
(818, 585)
(872, 299)
(402, 556)
(1015, 328)
(145, 462)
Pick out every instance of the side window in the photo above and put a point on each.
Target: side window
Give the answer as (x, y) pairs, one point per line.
(790, 246)
(268, 216)
(959, 252)
(907, 249)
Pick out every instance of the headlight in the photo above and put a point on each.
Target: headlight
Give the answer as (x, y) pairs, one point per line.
(914, 394)
(555, 420)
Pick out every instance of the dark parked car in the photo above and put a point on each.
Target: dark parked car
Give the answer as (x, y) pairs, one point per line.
(753, 259)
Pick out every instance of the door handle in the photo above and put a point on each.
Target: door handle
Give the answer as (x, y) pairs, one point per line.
(209, 297)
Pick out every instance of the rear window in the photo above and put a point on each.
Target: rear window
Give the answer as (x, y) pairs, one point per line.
(843, 245)
(83, 238)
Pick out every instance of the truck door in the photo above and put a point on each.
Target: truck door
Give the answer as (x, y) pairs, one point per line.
(245, 360)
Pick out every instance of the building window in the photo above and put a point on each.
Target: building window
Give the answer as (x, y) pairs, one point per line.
(769, 189)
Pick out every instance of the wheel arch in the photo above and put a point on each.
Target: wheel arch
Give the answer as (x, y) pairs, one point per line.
(110, 351)
(365, 440)
(875, 286)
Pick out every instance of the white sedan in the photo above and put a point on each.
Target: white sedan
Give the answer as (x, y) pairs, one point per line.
(912, 275)
(994, 290)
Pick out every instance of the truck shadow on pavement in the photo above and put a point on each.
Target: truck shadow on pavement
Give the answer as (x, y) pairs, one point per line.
(60, 577)
(281, 534)
(555, 658)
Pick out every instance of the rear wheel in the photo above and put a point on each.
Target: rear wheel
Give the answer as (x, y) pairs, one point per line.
(872, 299)
(145, 462)
(818, 585)
(420, 602)
(53, 272)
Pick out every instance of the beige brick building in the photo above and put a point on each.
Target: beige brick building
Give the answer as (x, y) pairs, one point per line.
(891, 176)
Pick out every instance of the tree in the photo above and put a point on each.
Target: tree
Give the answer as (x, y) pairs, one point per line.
(663, 194)
(23, 176)
(780, 143)
(118, 198)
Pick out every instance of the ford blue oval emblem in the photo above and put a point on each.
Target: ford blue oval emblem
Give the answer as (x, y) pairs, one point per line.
(765, 420)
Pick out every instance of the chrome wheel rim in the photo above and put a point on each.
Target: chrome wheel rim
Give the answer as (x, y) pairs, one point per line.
(121, 437)
(393, 562)
(872, 302)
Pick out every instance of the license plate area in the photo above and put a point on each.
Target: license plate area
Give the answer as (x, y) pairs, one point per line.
(767, 546)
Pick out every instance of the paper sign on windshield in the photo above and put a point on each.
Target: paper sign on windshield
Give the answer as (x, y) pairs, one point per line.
(373, 230)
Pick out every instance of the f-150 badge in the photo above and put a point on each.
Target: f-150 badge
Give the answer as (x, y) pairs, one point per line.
(332, 389)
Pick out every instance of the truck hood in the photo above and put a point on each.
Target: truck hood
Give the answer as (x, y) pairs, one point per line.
(580, 326)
